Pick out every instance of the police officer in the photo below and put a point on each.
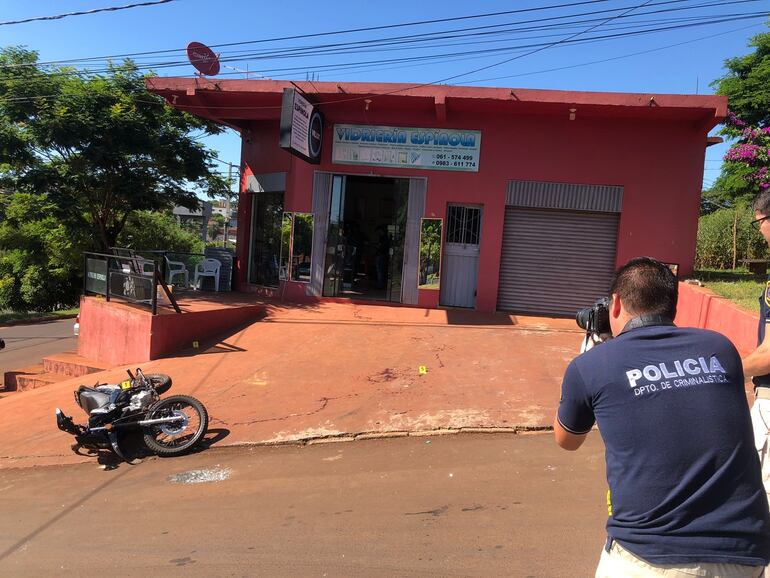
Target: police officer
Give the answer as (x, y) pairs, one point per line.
(757, 363)
(685, 490)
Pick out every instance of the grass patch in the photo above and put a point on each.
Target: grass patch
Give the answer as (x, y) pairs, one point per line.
(8, 316)
(737, 285)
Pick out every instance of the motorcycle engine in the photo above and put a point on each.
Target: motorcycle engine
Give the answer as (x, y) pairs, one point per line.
(141, 400)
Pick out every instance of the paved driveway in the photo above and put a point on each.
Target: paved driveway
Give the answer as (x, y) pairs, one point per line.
(340, 370)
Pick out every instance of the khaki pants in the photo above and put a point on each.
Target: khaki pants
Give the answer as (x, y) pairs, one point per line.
(620, 563)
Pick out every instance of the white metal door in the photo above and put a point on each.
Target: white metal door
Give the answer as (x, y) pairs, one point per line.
(461, 256)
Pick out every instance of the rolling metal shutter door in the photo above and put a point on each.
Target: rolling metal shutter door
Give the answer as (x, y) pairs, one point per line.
(555, 262)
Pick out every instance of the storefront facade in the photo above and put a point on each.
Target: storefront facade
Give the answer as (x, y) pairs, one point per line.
(439, 196)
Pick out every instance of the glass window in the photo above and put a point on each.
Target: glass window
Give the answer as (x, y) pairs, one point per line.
(302, 247)
(297, 241)
(266, 219)
(430, 254)
(463, 225)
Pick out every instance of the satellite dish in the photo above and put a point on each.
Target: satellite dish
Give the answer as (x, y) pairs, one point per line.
(203, 58)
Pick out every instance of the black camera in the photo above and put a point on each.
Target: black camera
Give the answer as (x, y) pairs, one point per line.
(596, 318)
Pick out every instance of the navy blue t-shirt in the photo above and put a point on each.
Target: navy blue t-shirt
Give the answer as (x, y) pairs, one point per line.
(764, 319)
(683, 472)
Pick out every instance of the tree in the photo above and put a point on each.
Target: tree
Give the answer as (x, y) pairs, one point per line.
(216, 224)
(747, 86)
(40, 254)
(159, 230)
(99, 146)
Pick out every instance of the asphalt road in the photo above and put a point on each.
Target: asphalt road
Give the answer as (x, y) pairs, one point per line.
(455, 505)
(27, 344)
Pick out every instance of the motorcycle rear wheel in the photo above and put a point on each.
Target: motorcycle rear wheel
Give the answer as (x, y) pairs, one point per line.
(176, 438)
(161, 382)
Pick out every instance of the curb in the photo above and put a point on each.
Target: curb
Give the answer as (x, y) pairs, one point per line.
(328, 439)
(375, 435)
(35, 320)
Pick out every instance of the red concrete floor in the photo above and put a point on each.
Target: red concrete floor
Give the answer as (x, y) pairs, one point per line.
(338, 370)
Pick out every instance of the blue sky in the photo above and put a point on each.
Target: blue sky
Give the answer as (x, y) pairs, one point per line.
(689, 67)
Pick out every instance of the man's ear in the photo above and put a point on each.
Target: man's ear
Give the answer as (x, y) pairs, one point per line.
(615, 306)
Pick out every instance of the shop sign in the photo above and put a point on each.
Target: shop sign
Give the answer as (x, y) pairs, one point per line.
(96, 276)
(301, 126)
(419, 148)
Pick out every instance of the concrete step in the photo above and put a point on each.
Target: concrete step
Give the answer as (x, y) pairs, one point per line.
(33, 381)
(10, 378)
(53, 369)
(71, 364)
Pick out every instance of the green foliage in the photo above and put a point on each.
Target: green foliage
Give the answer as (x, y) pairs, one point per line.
(430, 252)
(715, 238)
(40, 255)
(216, 226)
(152, 230)
(747, 87)
(100, 146)
(737, 285)
(85, 160)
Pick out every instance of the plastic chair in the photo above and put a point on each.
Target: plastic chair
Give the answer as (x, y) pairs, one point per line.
(174, 268)
(207, 268)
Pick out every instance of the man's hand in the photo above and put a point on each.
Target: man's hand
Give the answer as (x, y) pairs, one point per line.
(565, 439)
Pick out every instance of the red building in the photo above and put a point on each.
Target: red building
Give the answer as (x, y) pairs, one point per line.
(530, 198)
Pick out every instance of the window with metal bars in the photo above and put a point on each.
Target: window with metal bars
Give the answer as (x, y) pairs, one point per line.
(463, 225)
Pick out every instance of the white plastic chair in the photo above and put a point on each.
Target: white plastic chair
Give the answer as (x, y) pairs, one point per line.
(174, 268)
(207, 268)
(139, 266)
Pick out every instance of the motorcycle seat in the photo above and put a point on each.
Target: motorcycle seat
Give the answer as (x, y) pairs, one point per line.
(92, 399)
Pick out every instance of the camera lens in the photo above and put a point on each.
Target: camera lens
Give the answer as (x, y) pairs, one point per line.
(583, 317)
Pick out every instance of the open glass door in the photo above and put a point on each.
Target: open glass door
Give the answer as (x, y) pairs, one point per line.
(364, 256)
(397, 232)
(334, 259)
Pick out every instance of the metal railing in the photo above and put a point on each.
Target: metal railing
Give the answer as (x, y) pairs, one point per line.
(126, 276)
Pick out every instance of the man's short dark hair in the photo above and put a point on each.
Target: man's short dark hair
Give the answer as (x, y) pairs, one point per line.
(762, 202)
(646, 287)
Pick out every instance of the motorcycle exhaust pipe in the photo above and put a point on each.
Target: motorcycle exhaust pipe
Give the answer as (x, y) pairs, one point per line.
(137, 423)
(160, 420)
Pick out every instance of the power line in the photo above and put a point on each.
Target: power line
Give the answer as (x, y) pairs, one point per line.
(629, 55)
(571, 37)
(539, 47)
(688, 23)
(416, 38)
(45, 97)
(487, 52)
(159, 101)
(86, 12)
(344, 31)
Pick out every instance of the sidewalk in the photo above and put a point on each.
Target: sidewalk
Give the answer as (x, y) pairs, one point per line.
(337, 370)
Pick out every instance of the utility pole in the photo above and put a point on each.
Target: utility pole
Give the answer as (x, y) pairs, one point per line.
(227, 203)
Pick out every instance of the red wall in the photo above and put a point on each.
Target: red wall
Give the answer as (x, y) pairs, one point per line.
(119, 334)
(658, 162)
(113, 333)
(699, 307)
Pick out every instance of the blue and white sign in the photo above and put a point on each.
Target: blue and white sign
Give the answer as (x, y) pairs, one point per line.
(418, 148)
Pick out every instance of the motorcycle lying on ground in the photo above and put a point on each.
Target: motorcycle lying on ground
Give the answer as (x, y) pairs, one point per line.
(169, 426)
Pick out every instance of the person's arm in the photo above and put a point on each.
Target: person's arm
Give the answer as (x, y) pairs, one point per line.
(758, 361)
(575, 416)
(566, 439)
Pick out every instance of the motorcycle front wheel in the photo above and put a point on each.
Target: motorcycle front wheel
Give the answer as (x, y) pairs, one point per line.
(161, 382)
(174, 438)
